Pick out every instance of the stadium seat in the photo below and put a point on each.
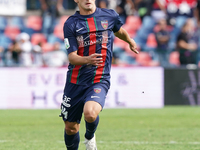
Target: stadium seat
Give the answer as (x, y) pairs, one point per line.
(148, 23)
(151, 41)
(58, 31)
(3, 23)
(174, 58)
(18, 22)
(12, 31)
(52, 39)
(130, 30)
(47, 47)
(134, 22)
(5, 41)
(120, 43)
(63, 19)
(34, 22)
(38, 38)
(143, 59)
(30, 31)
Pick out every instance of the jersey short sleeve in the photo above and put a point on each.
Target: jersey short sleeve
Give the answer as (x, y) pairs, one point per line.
(70, 41)
(118, 22)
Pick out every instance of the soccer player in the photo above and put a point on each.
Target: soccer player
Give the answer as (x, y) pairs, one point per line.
(88, 40)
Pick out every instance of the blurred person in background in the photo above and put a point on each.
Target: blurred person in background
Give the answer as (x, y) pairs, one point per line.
(25, 58)
(121, 8)
(1, 56)
(180, 8)
(197, 13)
(153, 8)
(102, 3)
(55, 58)
(37, 55)
(162, 38)
(15, 52)
(51, 10)
(197, 16)
(187, 44)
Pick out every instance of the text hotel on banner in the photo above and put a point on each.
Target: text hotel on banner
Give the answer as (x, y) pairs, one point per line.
(13, 7)
(31, 88)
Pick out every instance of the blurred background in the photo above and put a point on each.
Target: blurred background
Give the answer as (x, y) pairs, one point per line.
(167, 33)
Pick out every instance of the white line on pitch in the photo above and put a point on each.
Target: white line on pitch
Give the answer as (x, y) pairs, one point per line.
(144, 142)
(3, 141)
(147, 142)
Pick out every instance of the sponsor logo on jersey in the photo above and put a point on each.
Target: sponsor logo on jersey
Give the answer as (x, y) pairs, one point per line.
(101, 38)
(95, 97)
(97, 90)
(66, 41)
(104, 24)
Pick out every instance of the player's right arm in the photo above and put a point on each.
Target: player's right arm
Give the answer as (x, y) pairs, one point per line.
(94, 59)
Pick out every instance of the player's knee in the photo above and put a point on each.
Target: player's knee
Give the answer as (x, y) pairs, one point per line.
(70, 130)
(90, 116)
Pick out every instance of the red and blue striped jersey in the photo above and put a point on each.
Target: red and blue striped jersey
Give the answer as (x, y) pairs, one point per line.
(88, 34)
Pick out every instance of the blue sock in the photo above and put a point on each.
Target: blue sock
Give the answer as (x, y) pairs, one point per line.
(91, 128)
(72, 141)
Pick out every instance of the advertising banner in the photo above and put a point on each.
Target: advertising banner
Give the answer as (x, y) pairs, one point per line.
(13, 7)
(43, 88)
(182, 87)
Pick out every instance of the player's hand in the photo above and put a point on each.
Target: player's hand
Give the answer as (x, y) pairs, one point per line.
(133, 46)
(95, 59)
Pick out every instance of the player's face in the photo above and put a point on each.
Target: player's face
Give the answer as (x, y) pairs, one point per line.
(86, 5)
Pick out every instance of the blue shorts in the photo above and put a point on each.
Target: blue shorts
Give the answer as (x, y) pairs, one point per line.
(75, 96)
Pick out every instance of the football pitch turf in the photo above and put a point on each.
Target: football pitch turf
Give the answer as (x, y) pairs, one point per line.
(169, 128)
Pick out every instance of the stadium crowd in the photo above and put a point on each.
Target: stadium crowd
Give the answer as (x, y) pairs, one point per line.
(166, 31)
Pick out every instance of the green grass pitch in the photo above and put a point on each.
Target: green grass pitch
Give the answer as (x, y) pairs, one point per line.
(169, 128)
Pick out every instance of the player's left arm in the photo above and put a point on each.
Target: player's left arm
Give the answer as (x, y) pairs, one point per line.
(123, 35)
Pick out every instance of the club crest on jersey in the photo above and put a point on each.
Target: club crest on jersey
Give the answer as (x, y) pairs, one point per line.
(97, 90)
(104, 24)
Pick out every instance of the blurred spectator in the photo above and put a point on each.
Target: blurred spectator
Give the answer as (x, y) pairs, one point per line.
(15, 52)
(186, 44)
(150, 12)
(183, 8)
(162, 38)
(153, 8)
(50, 11)
(197, 13)
(23, 39)
(1, 56)
(55, 58)
(33, 4)
(121, 8)
(37, 55)
(102, 3)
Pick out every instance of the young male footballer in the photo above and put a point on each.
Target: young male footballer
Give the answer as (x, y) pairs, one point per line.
(89, 43)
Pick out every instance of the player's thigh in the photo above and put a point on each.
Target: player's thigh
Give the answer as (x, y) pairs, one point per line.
(95, 99)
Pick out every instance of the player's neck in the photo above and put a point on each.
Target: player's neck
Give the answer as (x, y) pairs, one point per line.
(87, 12)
